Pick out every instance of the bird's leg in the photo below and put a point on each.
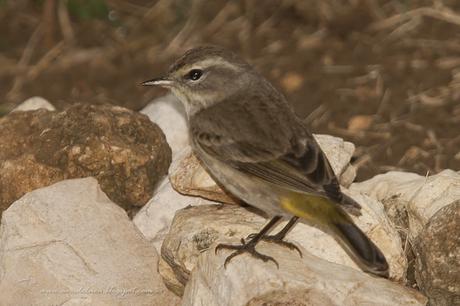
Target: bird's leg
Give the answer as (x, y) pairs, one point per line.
(250, 246)
(278, 237)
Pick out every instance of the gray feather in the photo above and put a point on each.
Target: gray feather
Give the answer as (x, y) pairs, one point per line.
(259, 134)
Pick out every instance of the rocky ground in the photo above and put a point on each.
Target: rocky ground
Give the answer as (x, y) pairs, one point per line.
(91, 219)
(381, 73)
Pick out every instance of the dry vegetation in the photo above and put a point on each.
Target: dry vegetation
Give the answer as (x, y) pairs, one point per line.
(382, 74)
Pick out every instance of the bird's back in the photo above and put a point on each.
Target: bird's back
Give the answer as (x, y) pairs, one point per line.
(259, 134)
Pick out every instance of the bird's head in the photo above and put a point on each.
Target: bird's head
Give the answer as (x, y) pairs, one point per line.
(204, 76)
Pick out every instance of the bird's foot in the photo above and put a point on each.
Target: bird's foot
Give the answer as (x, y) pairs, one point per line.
(244, 247)
(278, 239)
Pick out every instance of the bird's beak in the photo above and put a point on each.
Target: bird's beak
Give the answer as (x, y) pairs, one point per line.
(163, 82)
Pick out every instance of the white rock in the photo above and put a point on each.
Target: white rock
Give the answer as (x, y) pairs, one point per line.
(188, 177)
(68, 244)
(298, 281)
(422, 196)
(169, 114)
(339, 153)
(34, 103)
(154, 219)
(194, 229)
(348, 176)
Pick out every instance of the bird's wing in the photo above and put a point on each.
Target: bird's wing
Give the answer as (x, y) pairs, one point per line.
(271, 145)
(309, 172)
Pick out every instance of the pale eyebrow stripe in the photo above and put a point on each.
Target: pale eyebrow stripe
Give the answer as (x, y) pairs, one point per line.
(211, 62)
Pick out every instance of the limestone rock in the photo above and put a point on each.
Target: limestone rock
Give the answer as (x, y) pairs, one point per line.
(154, 219)
(194, 229)
(339, 154)
(437, 248)
(124, 150)
(34, 103)
(298, 281)
(189, 177)
(172, 283)
(68, 244)
(420, 196)
(168, 113)
(348, 176)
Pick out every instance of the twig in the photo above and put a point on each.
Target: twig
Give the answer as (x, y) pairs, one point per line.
(358, 134)
(184, 34)
(438, 162)
(362, 160)
(383, 102)
(64, 22)
(315, 114)
(425, 98)
(405, 28)
(412, 154)
(24, 62)
(44, 62)
(128, 7)
(445, 45)
(324, 117)
(159, 7)
(49, 21)
(448, 62)
(220, 19)
(443, 14)
(33, 71)
(386, 168)
(338, 69)
(417, 191)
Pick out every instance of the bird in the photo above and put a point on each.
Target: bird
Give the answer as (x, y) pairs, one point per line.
(252, 143)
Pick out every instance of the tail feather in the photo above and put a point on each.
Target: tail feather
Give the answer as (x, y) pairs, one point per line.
(333, 191)
(323, 211)
(365, 253)
(350, 205)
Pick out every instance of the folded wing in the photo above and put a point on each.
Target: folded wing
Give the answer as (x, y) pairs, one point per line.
(272, 146)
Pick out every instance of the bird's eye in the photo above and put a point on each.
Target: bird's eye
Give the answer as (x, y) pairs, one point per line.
(195, 74)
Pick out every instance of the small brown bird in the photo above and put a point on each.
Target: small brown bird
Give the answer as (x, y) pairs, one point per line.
(250, 140)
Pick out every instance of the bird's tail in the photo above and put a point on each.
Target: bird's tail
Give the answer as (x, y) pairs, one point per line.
(323, 211)
(363, 251)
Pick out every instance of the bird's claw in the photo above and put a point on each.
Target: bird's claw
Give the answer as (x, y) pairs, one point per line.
(280, 241)
(244, 247)
(277, 240)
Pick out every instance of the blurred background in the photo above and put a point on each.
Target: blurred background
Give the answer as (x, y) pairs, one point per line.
(382, 74)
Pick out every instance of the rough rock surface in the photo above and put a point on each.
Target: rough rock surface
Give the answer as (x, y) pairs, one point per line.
(34, 103)
(194, 229)
(339, 153)
(124, 150)
(154, 219)
(189, 177)
(68, 244)
(437, 248)
(298, 281)
(420, 196)
(168, 113)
